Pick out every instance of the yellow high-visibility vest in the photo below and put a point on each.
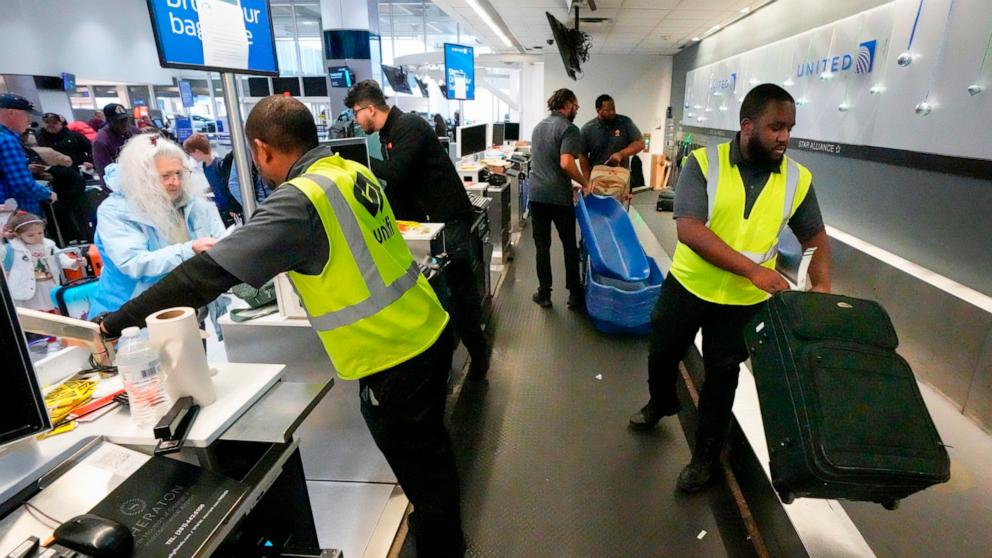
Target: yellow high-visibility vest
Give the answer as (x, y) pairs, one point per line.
(370, 305)
(755, 237)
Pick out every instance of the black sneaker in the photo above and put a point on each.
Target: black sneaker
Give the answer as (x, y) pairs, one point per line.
(542, 299)
(695, 477)
(649, 416)
(576, 300)
(702, 470)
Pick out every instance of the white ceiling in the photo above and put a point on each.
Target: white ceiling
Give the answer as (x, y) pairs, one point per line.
(633, 26)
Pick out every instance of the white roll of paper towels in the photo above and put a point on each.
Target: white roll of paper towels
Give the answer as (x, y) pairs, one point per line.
(175, 334)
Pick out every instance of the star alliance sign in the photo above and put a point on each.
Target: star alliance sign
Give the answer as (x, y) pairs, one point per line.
(863, 62)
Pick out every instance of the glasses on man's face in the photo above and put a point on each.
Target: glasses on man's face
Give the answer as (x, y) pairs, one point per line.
(358, 110)
(167, 177)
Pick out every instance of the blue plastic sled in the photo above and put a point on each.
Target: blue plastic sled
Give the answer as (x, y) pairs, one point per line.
(610, 240)
(616, 306)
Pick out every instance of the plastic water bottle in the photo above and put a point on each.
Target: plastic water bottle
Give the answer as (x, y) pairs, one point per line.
(143, 378)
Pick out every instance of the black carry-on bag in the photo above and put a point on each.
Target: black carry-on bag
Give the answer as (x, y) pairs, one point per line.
(842, 412)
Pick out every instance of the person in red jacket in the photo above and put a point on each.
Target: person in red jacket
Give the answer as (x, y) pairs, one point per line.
(83, 128)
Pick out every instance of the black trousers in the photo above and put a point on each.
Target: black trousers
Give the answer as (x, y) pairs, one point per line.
(563, 216)
(404, 410)
(676, 318)
(465, 301)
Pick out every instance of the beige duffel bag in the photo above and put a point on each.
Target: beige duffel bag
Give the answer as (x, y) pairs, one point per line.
(610, 181)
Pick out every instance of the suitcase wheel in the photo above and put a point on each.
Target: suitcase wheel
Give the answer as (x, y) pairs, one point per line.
(784, 494)
(890, 504)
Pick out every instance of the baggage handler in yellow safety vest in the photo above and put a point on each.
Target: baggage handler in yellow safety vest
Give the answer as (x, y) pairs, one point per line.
(731, 203)
(330, 226)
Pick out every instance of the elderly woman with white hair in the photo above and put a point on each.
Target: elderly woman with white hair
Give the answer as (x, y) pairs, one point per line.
(156, 219)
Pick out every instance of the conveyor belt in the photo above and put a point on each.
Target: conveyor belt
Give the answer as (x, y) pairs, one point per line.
(548, 465)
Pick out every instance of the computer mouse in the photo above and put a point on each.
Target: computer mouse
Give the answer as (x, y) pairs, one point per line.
(96, 536)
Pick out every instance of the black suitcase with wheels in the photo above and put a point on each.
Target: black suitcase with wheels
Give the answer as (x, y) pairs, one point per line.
(842, 413)
(666, 200)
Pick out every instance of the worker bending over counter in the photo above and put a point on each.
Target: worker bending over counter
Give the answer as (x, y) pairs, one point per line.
(731, 204)
(423, 185)
(377, 317)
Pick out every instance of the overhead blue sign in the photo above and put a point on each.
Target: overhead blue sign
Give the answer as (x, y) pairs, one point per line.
(459, 71)
(219, 35)
(184, 128)
(69, 82)
(186, 93)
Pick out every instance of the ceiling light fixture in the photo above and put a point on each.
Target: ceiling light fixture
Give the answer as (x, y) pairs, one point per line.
(696, 39)
(713, 29)
(745, 10)
(474, 4)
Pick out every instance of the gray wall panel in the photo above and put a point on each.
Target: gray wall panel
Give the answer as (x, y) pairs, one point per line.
(941, 222)
(979, 405)
(940, 335)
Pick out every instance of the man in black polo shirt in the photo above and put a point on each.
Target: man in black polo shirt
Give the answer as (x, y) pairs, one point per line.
(424, 186)
(611, 138)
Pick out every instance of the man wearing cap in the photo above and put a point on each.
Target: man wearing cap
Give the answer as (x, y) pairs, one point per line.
(112, 137)
(15, 177)
(55, 135)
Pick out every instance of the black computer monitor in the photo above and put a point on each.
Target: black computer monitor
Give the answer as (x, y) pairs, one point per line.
(353, 149)
(471, 139)
(24, 413)
(397, 78)
(511, 131)
(499, 130)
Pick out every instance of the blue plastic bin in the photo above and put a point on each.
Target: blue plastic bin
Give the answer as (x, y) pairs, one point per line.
(610, 240)
(616, 306)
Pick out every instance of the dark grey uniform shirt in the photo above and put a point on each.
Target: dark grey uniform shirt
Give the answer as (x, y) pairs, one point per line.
(603, 139)
(552, 137)
(691, 199)
(285, 234)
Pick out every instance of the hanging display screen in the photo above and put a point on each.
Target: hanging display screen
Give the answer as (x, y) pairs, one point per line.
(459, 71)
(218, 35)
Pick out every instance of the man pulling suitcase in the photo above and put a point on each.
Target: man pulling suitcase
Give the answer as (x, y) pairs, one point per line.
(732, 202)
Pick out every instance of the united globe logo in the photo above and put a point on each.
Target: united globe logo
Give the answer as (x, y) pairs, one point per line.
(866, 57)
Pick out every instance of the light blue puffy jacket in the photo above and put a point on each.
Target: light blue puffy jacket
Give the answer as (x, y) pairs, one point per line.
(134, 256)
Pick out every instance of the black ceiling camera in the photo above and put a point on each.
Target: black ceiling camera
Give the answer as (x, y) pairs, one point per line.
(551, 41)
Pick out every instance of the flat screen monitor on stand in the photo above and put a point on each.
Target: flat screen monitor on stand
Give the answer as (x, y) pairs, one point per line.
(24, 414)
(471, 139)
(499, 133)
(511, 131)
(353, 149)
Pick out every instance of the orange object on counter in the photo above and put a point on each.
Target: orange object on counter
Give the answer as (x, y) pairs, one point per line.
(95, 260)
(406, 226)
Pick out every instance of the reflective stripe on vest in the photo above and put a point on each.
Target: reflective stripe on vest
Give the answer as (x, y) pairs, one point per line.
(791, 188)
(381, 295)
